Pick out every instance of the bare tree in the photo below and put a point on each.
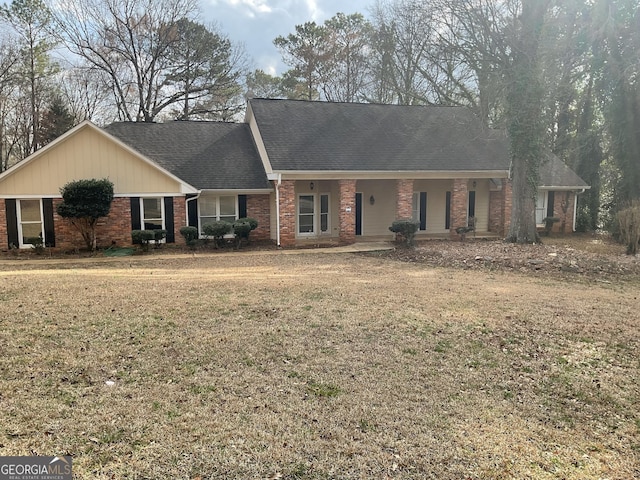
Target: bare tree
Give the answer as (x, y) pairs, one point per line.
(128, 40)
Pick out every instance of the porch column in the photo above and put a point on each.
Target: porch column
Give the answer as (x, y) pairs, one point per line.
(347, 214)
(459, 205)
(404, 199)
(287, 193)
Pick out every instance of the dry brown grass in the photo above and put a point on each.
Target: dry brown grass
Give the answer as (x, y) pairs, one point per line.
(317, 367)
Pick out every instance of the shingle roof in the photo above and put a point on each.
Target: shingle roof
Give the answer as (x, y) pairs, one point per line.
(321, 136)
(555, 173)
(206, 155)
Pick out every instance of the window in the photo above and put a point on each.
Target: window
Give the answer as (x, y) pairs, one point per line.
(152, 213)
(306, 214)
(215, 208)
(29, 221)
(544, 206)
(324, 213)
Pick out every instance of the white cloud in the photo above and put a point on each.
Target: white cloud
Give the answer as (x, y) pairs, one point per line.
(253, 7)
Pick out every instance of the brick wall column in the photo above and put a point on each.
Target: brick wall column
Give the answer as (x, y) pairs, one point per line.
(404, 199)
(507, 199)
(347, 213)
(459, 205)
(4, 240)
(495, 211)
(287, 193)
(179, 218)
(259, 207)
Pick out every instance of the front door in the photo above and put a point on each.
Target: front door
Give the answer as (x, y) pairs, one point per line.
(358, 213)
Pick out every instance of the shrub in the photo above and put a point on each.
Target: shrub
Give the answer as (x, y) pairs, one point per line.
(629, 226)
(145, 237)
(83, 203)
(37, 243)
(243, 227)
(548, 224)
(406, 229)
(190, 235)
(217, 230)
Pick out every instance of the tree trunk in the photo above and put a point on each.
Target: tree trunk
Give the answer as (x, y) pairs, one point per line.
(525, 122)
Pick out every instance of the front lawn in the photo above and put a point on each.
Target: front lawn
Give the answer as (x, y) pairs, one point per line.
(319, 366)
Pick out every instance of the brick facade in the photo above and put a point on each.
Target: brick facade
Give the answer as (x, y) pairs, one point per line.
(287, 193)
(563, 205)
(459, 205)
(347, 213)
(259, 207)
(500, 202)
(404, 199)
(114, 229)
(179, 218)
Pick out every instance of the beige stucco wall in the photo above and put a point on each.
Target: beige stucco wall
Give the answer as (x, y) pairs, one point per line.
(83, 155)
(377, 218)
(482, 203)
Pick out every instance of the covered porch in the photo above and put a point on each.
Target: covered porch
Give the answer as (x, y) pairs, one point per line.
(345, 211)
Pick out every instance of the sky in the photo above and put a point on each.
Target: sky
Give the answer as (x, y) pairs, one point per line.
(255, 23)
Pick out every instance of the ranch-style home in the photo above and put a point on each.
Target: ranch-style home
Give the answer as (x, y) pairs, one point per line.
(307, 171)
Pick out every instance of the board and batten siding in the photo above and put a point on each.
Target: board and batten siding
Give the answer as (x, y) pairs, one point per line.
(90, 155)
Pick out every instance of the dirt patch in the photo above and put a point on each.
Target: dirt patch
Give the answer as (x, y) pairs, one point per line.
(579, 256)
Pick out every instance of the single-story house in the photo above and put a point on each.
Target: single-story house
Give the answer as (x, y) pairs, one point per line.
(305, 170)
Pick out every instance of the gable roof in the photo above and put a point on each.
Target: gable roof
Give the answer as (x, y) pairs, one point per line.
(207, 155)
(554, 173)
(322, 136)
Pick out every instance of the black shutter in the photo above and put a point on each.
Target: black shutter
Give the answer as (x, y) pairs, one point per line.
(192, 212)
(423, 210)
(447, 212)
(472, 203)
(550, 206)
(169, 221)
(49, 230)
(136, 223)
(12, 222)
(242, 206)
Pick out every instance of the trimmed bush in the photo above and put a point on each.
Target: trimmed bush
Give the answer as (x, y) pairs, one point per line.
(145, 237)
(242, 228)
(217, 230)
(406, 229)
(190, 235)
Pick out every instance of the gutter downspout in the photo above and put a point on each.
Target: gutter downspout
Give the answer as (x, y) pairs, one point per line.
(279, 181)
(186, 207)
(575, 208)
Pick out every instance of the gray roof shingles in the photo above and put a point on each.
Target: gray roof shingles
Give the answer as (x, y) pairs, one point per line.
(555, 173)
(322, 136)
(206, 155)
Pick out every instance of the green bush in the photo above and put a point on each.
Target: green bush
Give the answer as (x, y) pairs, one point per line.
(37, 243)
(406, 229)
(629, 226)
(84, 202)
(217, 230)
(145, 237)
(190, 235)
(243, 227)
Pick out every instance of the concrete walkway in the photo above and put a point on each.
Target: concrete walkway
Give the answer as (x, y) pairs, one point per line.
(20, 260)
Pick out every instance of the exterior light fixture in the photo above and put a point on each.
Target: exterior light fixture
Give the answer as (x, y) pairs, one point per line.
(311, 185)
(372, 200)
